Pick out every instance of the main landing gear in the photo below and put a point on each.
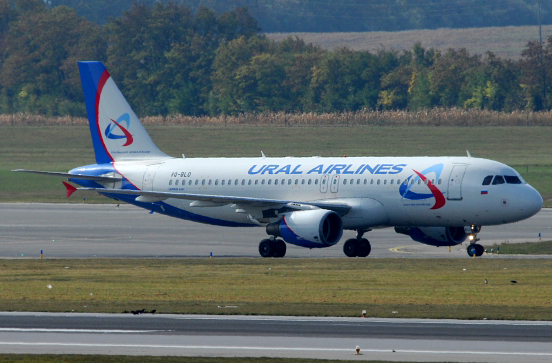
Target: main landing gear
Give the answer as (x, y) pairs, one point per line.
(357, 247)
(272, 248)
(474, 249)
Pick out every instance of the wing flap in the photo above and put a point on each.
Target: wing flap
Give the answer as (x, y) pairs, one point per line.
(219, 200)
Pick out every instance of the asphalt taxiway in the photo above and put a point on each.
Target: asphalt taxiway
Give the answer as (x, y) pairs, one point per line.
(105, 230)
(263, 336)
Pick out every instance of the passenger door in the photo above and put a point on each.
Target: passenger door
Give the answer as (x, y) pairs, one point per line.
(455, 182)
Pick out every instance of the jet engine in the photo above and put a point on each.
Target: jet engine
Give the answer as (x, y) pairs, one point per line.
(316, 228)
(435, 236)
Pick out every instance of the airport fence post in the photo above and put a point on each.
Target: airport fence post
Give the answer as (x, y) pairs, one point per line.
(41, 255)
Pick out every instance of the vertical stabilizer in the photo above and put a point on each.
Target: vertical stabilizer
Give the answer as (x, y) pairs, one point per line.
(117, 133)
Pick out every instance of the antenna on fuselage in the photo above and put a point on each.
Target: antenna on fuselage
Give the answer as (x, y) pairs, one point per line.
(263, 155)
(469, 155)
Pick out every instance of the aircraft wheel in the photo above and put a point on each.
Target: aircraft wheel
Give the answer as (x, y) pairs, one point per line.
(351, 248)
(266, 248)
(479, 250)
(364, 248)
(280, 250)
(472, 250)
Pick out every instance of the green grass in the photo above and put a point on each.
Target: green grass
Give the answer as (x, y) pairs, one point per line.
(51, 358)
(527, 248)
(60, 148)
(428, 288)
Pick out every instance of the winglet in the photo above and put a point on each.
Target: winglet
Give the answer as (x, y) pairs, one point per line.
(70, 189)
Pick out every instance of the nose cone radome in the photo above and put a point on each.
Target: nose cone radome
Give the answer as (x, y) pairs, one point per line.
(529, 202)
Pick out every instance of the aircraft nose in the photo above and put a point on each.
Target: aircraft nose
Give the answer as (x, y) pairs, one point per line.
(530, 202)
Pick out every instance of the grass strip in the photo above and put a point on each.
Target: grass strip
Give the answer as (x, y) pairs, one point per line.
(51, 358)
(406, 288)
(526, 248)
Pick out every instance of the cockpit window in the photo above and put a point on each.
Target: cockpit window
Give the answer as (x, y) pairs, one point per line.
(487, 180)
(511, 179)
(499, 179)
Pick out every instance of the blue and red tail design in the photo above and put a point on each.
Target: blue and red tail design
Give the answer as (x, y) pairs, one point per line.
(117, 133)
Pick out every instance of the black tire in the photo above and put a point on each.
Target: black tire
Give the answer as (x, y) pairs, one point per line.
(280, 248)
(364, 248)
(472, 250)
(351, 248)
(479, 250)
(266, 248)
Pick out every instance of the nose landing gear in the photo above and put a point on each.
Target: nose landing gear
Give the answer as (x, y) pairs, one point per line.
(357, 247)
(474, 249)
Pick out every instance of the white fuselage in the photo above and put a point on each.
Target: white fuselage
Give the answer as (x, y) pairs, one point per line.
(374, 187)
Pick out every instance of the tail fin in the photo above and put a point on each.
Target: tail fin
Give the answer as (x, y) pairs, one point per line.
(117, 133)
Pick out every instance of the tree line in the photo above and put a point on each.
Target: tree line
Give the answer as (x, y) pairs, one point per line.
(348, 15)
(168, 59)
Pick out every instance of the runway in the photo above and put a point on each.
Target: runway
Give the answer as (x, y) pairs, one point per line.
(263, 336)
(104, 230)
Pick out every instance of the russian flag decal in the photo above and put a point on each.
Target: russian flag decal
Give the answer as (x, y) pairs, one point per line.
(484, 192)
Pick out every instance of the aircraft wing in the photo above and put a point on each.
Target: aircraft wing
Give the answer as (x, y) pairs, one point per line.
(205, 200)
(109, 179)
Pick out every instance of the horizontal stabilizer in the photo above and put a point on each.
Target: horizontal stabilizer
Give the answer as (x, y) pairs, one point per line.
(110, 179)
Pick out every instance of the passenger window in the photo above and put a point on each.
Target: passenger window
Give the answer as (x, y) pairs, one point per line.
(358, 181)
(303, 181)
(203, 182)
(384, 181)
(289, 181)
(223, 181)
(352, 181)
(365, 181)
(512, 179)
(371, 181)
(499, 179)
(236, 182)
(316, 181)
(209, 181)
(170, 182)
(487, 180)
(176, 182)
(197, 181)
(190, 182)
(216, 181)
(378, 182)
(262, 182)
(276, 182)
(269, 181)
(344, 181)
(243, 181)
(391, 182)
(283, 181)
(439, 181)
(249, 182)
(256, 181)
(229, 181)
(398, 181)
(419, 181)
(310, 181)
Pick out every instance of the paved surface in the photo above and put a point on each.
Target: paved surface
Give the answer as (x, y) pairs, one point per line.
(240, 336)
(77, 230)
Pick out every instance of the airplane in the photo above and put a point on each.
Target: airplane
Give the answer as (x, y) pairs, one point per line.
(303, 201)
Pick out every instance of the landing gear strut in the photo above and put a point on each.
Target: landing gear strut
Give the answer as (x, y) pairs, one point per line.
(357, 247)
(272, 248)
(474, 249)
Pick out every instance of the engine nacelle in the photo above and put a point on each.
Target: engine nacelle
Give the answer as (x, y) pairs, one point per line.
(317, 228)
(435, 236)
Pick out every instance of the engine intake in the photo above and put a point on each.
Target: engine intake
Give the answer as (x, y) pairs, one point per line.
(435, 236)
(317, 228)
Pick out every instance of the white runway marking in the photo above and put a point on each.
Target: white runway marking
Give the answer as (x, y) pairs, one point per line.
(248, 348)
(40, 330)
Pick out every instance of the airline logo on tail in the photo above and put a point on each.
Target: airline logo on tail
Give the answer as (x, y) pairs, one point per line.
(118, 128)
(405, 187)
